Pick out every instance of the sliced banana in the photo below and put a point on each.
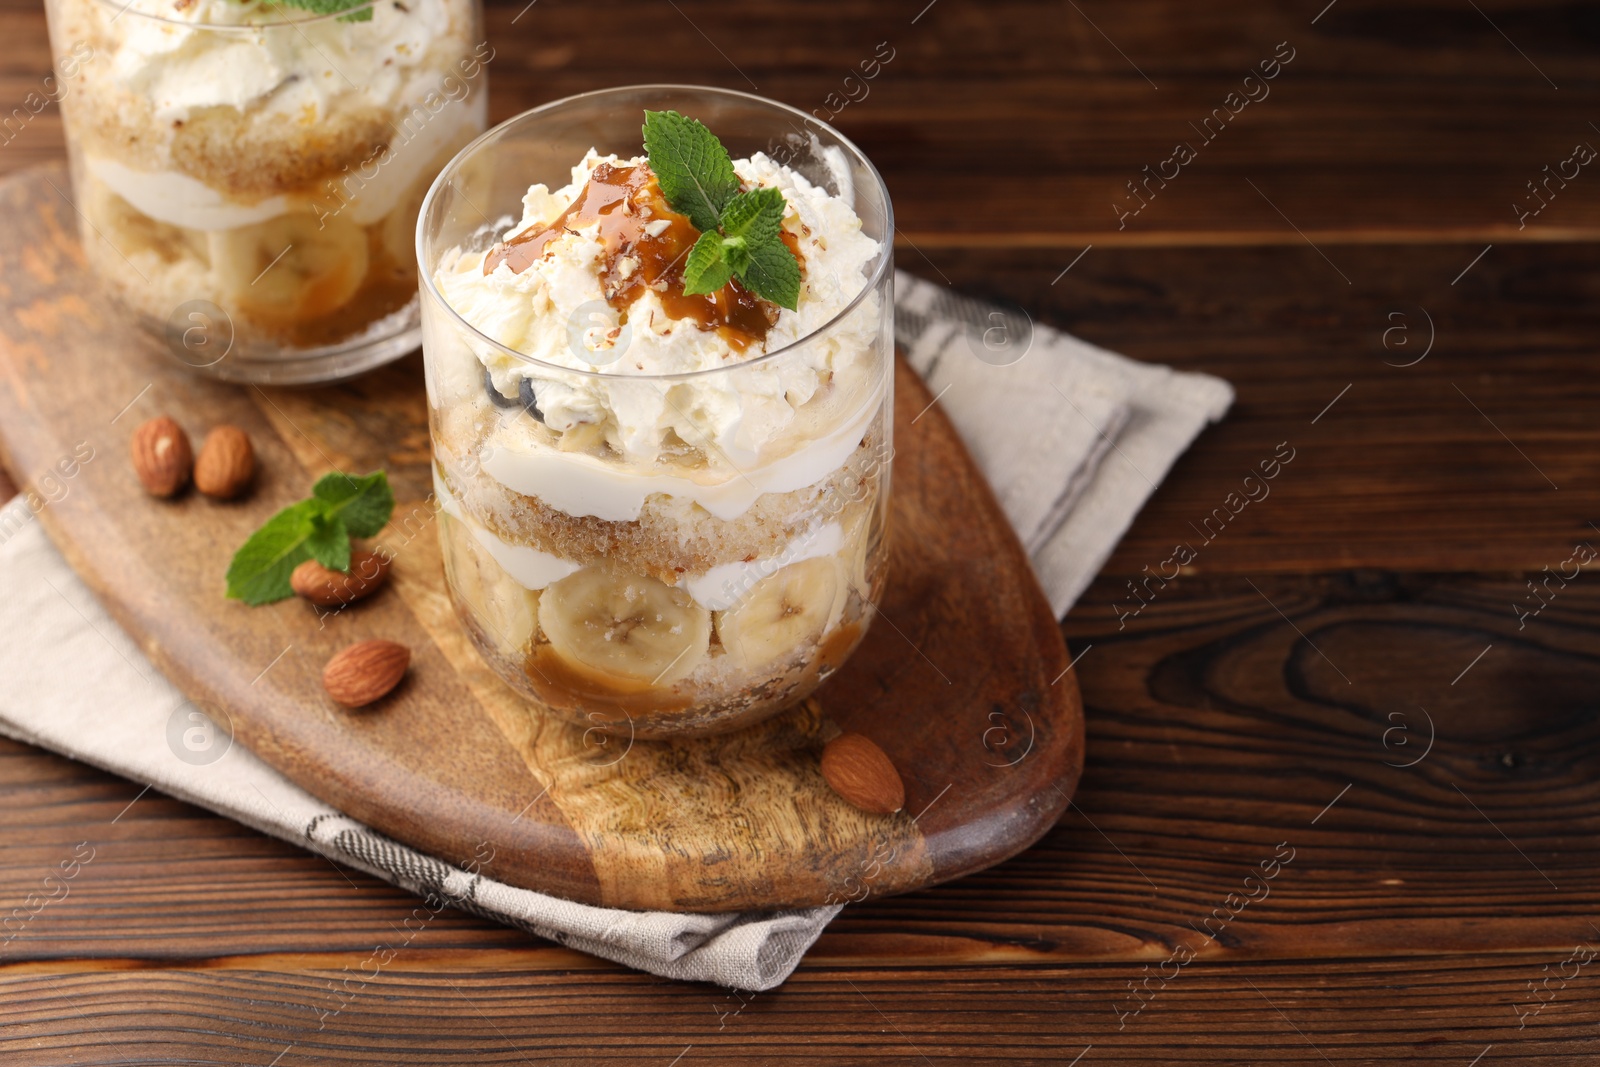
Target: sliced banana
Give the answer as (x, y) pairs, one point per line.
(584, 437)
(292, 268)
(625, 630)
(130, 230)
(508, 612)
(785, 611)
(858, 543)
(399, 227)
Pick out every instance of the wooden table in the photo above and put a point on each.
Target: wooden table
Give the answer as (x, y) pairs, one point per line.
(1346, 251)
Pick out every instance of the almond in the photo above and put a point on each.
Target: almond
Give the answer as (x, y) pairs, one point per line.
(365, 671)
(859, 772)
(162, 457)
(226, 463)
(330, 588)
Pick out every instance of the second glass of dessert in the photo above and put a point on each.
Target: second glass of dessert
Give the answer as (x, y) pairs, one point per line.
(248, 173)
(657, 327)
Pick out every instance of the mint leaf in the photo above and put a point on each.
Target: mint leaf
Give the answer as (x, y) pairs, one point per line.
(756, 215)
(774, 274)
(363, 503)
(319, 528)
(694, 170)
(706, 270)
(259, 573)
(328, 7)
(329, 542)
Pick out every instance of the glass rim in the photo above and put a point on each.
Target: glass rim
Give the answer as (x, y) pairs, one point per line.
(444, 177)
(125, 7)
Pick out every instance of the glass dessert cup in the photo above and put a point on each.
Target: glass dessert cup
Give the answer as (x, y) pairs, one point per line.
(648, 553)
(247, 175)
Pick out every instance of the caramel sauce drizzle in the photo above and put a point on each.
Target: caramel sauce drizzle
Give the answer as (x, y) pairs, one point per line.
(625, 201)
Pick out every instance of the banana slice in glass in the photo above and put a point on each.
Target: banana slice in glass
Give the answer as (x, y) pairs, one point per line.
(858, 542)
(129, 230)
(785, 611)
(399, 230)
(292, 268)
(507, 611)
(625, 630)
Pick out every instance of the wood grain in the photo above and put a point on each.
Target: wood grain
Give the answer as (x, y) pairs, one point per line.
(1490, 433)
(454, 763)
(1020, 122)
(1403, 1010)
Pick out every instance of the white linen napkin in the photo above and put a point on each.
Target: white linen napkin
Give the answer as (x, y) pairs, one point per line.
(1043, 427)
(1073, 438)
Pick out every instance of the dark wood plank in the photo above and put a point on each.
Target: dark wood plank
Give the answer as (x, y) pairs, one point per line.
(431, 1009)
(1450, 463)
(1021, 122)
(1040, 153)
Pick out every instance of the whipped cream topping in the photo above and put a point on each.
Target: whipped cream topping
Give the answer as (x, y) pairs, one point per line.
(744, 420)
(211, 53)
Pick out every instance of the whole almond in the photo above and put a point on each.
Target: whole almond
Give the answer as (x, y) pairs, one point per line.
(329, 588)
(365, 671)
(162, 457)
(226, 463)
(859, 772)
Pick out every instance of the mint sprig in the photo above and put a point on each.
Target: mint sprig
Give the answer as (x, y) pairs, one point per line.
(740, 231)
(340, 507)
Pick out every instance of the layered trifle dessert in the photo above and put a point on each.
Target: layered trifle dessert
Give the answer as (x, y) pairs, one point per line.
(662, 484)
(267, 161)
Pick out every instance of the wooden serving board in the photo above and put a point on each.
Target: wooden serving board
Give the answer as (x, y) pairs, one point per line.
(962, 680)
